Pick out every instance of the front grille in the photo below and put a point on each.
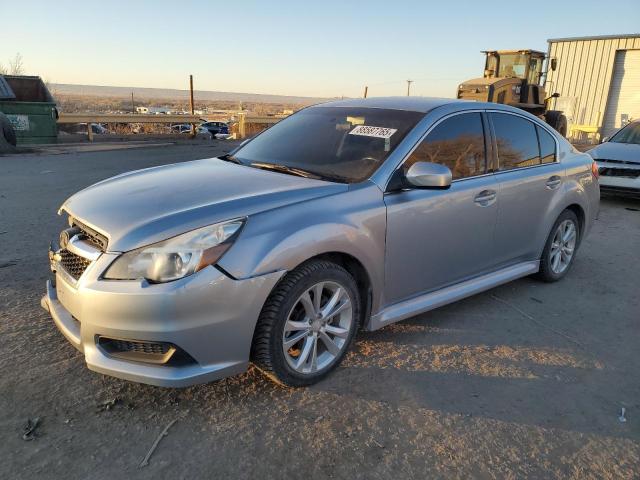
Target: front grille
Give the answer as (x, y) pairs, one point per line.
(624, 162)
(619, 172)
(73, 264)
(90, 235)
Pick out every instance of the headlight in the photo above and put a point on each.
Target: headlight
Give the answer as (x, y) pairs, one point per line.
(176, 257)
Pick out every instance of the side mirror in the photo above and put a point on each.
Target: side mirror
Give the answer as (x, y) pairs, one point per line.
(554, 64)
(428, 175)
(555, 95)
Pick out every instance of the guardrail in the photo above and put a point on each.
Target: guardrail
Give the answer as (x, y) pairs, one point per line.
(89, 118)
(245, 122)
(126, 118)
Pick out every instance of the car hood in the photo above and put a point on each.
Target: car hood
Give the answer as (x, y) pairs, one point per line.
(146, 206)
(627, 152)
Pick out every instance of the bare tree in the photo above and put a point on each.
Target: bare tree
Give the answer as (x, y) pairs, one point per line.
(16, 66)
(3, 69)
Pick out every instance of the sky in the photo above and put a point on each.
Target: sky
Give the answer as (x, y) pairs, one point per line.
(320, 48)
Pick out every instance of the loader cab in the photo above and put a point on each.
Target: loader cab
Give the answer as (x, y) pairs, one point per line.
(523, 64)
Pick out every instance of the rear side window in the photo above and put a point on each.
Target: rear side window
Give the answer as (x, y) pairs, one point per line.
(516, 140)
(458, 143)
(547, 145)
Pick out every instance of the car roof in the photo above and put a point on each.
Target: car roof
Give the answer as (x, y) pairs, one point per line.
(425, 105)
(412, 104)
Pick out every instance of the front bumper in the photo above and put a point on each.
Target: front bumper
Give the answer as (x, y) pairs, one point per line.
(208, 315)
(617, 184)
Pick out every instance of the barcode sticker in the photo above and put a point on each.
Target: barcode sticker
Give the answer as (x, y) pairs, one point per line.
(369, 131)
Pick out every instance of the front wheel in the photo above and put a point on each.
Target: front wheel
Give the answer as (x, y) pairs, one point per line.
(307, 324)
(560, 249)
(557, 120)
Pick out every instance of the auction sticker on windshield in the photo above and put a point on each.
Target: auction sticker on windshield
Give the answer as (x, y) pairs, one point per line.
(369, 131)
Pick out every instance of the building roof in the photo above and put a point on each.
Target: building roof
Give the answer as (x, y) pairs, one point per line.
(515, 51)
(414, 104)
(596, 37)
(6, 93)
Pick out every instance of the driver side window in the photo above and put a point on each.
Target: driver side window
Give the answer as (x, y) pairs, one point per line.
(458, 143)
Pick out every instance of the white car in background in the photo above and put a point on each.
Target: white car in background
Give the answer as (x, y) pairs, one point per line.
(618, 160)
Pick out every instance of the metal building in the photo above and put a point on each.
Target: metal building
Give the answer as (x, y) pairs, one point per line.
(598, 79)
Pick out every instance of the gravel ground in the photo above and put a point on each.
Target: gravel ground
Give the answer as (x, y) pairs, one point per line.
(526, 380)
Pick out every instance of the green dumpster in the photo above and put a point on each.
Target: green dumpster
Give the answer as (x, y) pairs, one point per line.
(31, 109)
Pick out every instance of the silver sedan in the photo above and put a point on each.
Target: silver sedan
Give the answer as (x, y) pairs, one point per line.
(346, 215)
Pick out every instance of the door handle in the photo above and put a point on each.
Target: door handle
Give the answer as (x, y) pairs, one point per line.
(554, 182)
(485, 198)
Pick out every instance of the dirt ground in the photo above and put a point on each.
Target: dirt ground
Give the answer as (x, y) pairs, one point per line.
(526, 380)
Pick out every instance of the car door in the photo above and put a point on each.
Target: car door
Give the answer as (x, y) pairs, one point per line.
(530, 182)
(439, 237)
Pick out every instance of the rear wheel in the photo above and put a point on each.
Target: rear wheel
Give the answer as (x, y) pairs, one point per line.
(560, 249)
(307, 324)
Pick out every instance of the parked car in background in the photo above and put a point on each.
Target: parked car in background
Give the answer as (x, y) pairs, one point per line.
(181, 128)
(185, 128)
(618, 160)
(81, 129)
(348, 214)
(219, 130)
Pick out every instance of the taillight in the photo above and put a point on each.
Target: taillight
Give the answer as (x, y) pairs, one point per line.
(594, 170)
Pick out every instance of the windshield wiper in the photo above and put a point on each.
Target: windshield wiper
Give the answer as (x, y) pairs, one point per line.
(284, 169)
(230, 158)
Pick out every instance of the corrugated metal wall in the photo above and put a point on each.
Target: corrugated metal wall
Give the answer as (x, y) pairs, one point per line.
(624, 93)
(583, 75)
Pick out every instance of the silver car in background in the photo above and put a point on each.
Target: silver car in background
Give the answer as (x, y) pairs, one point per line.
(618, 160)
(348, 214)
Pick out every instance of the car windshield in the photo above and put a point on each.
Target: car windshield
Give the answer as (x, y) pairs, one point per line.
(629, 134)
(334, 143)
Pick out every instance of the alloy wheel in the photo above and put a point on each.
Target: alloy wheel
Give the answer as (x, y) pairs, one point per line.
(563, 246)
(317, 328)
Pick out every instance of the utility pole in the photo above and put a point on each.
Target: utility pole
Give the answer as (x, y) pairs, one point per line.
(366, 89)
(133, 105)
(193, 125)
(409, 82)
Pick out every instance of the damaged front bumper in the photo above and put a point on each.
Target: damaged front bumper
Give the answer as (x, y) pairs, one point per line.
(207, 318)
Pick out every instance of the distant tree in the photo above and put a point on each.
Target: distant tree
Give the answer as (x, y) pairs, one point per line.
(16, 66)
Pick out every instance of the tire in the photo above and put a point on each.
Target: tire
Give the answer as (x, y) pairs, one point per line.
(557, 120)
(6, 129)
(562, 126)
(553, 263)
(294, 365)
